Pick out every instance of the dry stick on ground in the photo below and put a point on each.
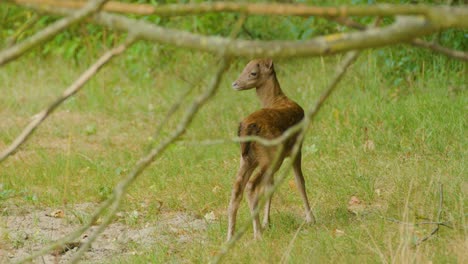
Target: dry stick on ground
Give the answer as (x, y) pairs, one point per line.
(439, 214)
(390, 219)
(438, 222)
(302, 127)
(74, 88)
(456, 54)
(17, 50)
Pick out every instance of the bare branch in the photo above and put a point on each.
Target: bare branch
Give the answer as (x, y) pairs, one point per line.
(403, 30)
(71, 90)
(50, 31)
(432, 12)
(456, 54)
(110, 6)
(445, 16)
(113, 202)
(143, 163)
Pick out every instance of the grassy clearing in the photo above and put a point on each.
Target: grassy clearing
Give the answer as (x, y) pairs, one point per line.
(417, 126)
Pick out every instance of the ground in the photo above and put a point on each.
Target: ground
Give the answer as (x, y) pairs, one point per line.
(29, 229)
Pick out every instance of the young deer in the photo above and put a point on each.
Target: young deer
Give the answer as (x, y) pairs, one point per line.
(277, 115)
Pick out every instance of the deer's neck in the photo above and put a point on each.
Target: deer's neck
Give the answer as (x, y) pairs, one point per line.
(270, 92)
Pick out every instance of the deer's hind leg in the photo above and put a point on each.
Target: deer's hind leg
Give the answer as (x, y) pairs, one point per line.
(246, 169)
(253, 192)
(300, 182)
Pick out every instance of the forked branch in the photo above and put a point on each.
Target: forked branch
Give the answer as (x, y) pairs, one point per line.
(444, 16)
(403, 30)
(438, 222)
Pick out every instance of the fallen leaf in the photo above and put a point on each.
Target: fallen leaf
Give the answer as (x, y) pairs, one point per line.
(57, 214)
(378, 192)
(292, 184)
(369, 145)
(338, 233)
(354, 200)
(216, 189)
(355, 205)
(210, 217)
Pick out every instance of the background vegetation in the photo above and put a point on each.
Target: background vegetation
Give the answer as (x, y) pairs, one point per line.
(410, 103)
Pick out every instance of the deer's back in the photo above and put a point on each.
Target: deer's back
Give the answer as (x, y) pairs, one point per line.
(269, 123)
(272, 122)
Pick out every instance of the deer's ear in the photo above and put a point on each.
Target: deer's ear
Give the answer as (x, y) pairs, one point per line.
(269, 64)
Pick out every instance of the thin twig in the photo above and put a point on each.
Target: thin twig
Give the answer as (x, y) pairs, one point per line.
(456, 54)
(70, 91)
(184, 95)
(144, 162)
(175, 106)
(439, 214)
(30, 22)
(74, 88)
(17, 50)
(393, 220)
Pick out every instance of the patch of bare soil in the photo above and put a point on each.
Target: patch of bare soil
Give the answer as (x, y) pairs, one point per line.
(26, 230)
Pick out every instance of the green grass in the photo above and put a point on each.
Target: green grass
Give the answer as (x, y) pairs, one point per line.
(418, 126)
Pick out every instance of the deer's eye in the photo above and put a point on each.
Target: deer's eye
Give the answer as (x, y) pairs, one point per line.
(253, 74)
